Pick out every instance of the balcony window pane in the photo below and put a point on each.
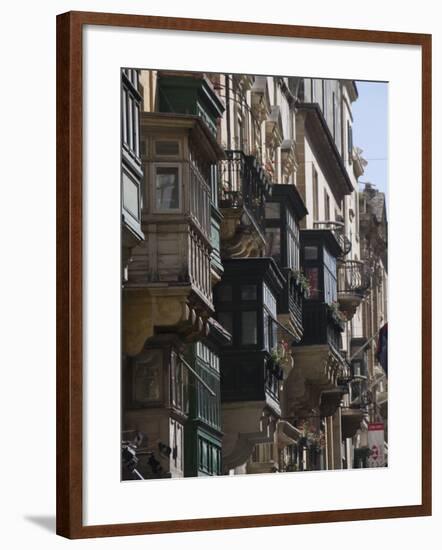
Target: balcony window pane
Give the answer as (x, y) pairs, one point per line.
(167, 188)
(124, 106)
(214, 184)
(130, 196)
(269, 300)
(136, 125)
(310, 252)
(292, 243)
(248, 328)
(273, 235)
(266, 330)
(130, 121)
(312, 274)
(147, 378)
(330, 290)
(248, 292)
(178, 383)
(224, 293)
(330, 283)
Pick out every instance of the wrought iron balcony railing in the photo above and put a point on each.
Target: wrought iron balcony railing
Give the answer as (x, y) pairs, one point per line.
(337, 228)
(353, 277)
(244, 184)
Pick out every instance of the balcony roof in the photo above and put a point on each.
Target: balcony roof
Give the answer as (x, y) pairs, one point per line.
(288, 193)
(199, 82)
(192, 124)
(255, 270)
(322, 236)
(329, 158)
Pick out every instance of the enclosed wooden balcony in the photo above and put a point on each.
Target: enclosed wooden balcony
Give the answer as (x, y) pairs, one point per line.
(190, 93)
(319, 363)
(323, 325)
(131, 166)
(353, 283)
(156, 404)
(337, 230)
(243, 188)
(251, 373)
(284, 210)
(169, 285)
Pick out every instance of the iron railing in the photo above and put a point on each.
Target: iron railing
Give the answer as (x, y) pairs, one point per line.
(353, 277)
(243, 183)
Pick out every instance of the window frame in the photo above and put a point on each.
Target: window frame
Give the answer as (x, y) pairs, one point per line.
(153, 188)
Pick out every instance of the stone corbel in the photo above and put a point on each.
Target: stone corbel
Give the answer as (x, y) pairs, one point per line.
(289, 163)
(287, 434)
(317, 369)
(260, 106)
(274, 130)
(351, 421)
(330, 401)
(245, 425)
(147, 309)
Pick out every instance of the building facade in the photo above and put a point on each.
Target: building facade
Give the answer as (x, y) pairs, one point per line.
(254, 278)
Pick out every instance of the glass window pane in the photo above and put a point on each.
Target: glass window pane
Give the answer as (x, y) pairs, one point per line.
(124, 129)
(266, 330)
(224, 293)
(167, 188)
(312, 274)
(147, 378)
(269, 300)
(310, 252)
(248, 327)
(273, 235)
(136, 126)
(130, 196)
(248, 292)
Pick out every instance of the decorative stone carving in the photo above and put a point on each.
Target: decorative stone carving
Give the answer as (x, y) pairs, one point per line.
(317, 369)
(149, 309)
(245, 424)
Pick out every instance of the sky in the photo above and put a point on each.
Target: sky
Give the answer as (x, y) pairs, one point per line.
(370, 131)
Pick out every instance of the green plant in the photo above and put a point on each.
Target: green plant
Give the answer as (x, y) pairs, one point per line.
(302, 280)
(336, 312)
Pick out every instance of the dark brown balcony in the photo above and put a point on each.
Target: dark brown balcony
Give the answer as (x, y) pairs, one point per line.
(322, 325)
(284, 210)
(243, 186)
(353, 282)
(337, 230)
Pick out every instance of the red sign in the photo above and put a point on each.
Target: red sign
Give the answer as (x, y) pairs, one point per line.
(376, 445)
(375, 426)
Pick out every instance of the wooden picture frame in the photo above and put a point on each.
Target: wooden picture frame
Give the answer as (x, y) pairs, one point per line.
(70, 156)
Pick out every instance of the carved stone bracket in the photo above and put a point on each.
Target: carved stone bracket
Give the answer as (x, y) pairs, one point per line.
(150, 309)
(239, 237)
(245, 424)
(351, 421)
(316, 370)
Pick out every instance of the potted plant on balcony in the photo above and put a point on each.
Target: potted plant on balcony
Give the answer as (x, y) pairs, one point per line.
(302, 282)
(336, 314)
(274, 363)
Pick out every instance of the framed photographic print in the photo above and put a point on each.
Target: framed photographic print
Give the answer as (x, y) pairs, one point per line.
(243, 274)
